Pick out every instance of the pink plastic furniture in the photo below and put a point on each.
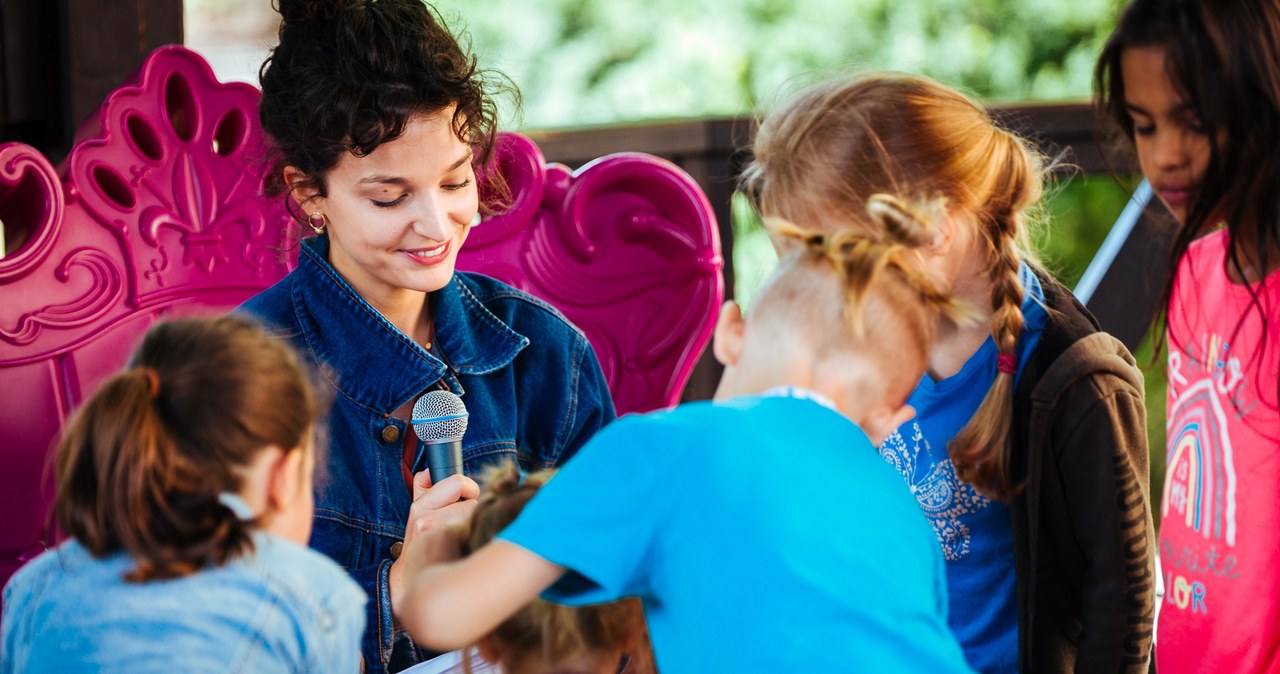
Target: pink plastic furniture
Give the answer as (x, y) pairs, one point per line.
(157, 212)
(626, 247)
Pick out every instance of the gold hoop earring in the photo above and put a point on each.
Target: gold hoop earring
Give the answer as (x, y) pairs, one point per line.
(313, 218)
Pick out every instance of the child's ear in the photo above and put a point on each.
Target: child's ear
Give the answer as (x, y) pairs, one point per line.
(285, 483)
(301, 195)
(730, 328)
(883, 420)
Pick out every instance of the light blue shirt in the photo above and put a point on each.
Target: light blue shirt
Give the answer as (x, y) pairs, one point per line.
(974, 532)
(761, 534)
(283, 608)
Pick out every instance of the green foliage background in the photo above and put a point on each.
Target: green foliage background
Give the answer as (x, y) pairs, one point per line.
(604, 61)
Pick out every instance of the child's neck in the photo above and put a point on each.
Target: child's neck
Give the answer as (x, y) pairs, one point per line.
(955, 345)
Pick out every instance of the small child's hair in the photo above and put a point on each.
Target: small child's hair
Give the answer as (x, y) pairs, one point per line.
(878, 275)
(551, 632)
(820, 158)
(860, 259)
(142, 463)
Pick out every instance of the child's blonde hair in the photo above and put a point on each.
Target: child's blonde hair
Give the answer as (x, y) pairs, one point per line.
(823, 157)
(889, 308)
(551, 632)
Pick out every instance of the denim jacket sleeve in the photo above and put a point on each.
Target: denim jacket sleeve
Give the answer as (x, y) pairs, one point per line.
(590, 405)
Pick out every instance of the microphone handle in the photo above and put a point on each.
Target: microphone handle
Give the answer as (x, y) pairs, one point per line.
(444, 459)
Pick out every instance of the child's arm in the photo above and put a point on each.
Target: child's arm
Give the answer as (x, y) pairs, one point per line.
(451, 604)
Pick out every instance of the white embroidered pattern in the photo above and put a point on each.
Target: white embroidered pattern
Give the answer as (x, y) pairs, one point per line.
(941, 495)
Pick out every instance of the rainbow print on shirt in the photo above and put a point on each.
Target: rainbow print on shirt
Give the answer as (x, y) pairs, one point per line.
(1200, 482)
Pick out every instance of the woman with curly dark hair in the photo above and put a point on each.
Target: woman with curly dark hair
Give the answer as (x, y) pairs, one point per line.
(381, 119)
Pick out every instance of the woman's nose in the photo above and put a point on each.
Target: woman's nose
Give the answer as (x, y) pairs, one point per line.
(431, 219)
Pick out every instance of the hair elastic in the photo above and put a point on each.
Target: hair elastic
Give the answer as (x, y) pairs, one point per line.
(1007, 363)
(237, 505)
(153, 380)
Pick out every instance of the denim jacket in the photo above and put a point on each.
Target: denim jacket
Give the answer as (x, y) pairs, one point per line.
(282, 609)
(529, 379)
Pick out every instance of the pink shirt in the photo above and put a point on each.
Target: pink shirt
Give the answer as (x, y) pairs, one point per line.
(1220, 506)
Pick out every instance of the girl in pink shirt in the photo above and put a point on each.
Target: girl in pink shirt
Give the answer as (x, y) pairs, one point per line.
(1195, 85)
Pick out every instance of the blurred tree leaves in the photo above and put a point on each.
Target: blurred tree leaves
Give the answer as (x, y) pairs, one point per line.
(595, 61)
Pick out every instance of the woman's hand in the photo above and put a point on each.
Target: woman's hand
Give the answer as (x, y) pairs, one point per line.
(435, 507)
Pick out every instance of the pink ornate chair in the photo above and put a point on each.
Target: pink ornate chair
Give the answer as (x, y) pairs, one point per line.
(157, 212)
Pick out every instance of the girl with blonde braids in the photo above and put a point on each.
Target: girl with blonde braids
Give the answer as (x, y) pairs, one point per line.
(1028, 452)
(720, 520)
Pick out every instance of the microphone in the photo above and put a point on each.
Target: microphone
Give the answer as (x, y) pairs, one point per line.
(440, 419)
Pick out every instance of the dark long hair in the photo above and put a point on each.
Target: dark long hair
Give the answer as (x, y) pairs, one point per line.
(349, 75)
(143, 461)
(1223, 57)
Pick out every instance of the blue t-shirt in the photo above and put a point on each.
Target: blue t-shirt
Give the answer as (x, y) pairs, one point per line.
(761, 534)
(975, 532)
(284, 609)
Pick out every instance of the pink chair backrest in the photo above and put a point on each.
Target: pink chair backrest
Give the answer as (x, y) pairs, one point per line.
(626, 247)
(158, 212)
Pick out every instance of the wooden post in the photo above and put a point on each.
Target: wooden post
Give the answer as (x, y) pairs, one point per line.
(61, 59)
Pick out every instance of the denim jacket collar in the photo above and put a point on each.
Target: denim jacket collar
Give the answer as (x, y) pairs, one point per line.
(349, 335)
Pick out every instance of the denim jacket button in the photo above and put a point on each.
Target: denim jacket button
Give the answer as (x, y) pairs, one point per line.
(326, 622)
(395, 549)
(390, 433)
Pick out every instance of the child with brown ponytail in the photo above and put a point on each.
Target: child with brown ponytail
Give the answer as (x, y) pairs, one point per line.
(719, 515)
(185, 486)
(1028, 452)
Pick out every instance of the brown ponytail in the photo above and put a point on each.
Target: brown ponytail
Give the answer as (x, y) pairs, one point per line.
(824, 156)
(550, 632)
(141, 465)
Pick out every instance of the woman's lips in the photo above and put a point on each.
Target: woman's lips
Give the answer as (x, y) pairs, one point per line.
(428, 256)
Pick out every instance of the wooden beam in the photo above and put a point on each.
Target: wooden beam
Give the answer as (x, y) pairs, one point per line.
(31, 87)
(105, 43)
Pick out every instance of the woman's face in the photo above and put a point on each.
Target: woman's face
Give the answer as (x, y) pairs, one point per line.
(397, 216)
(1173, 149)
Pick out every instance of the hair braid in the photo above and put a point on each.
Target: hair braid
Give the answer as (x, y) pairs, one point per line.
(981, 451)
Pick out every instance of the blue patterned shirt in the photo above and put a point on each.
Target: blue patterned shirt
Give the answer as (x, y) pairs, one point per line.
(975, 532)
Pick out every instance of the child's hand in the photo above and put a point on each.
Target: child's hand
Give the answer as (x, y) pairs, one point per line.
(435, 508)
(437, 546)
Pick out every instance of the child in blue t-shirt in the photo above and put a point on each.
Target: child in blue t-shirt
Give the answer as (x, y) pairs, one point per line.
(720, 515)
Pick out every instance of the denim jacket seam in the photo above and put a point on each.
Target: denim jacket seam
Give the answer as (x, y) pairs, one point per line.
(571, 409)
(365, 526)
(386, 638)
(517, 295)
(478, 310)
(488, 448)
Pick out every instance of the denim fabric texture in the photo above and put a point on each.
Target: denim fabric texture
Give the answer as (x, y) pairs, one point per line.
(529, 379)
(281, 609)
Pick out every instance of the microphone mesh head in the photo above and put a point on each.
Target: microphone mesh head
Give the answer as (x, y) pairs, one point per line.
(439, 416)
